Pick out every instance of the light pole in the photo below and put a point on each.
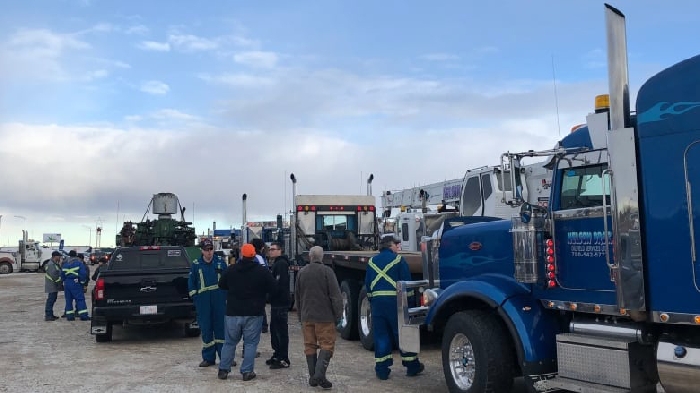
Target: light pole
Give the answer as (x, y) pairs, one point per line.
(293, 219)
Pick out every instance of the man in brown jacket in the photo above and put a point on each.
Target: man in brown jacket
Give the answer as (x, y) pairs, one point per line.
(320, 306)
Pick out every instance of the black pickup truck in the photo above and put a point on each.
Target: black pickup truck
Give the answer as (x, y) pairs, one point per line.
(143, 286)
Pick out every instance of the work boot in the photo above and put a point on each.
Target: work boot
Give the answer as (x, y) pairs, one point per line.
(311, 362)
(206, 363)
(324, 358)
(413, 373)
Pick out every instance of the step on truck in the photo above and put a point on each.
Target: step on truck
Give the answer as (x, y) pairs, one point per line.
(600, 290)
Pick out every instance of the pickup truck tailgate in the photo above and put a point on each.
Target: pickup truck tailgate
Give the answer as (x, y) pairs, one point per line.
(145, 276)
(146, 286)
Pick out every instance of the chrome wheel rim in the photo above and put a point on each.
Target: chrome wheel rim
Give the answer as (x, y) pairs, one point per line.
(346, 311)
(365, 317)
(461, 360)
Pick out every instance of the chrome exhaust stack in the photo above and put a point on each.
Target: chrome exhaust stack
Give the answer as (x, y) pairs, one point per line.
(618, 75)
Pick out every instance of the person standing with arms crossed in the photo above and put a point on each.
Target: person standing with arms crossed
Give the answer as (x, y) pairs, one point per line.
(320, 306)
(279, 309)
(52, 284)
(383, 270)
(209, 300)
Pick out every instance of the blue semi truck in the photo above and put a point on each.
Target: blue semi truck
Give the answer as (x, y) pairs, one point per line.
(599, 291)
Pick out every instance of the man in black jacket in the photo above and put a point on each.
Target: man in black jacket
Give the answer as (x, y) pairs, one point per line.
(279, 308)
(247, 283)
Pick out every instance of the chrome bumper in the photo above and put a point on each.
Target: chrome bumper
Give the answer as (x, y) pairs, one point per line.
(410, 318)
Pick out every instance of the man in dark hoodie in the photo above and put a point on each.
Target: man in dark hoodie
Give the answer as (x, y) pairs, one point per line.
(247, 283)
(279, 308)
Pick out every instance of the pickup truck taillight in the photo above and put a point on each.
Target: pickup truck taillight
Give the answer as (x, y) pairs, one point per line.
(100, 289)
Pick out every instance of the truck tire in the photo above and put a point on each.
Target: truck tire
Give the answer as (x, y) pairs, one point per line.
(364, 321)
(476, 354)
(349, 290)
(107, 337)
(5, 268)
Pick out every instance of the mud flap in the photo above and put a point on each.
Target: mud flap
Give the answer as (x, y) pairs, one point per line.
(409, 338)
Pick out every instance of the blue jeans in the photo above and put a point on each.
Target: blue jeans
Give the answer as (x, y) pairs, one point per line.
(247, 328)
(50, 301)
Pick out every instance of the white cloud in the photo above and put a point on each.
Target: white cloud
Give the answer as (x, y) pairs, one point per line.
(155, 87)
(154, 46)
(37, 55)
(172, 114)
(439, 57)
(97, 74)
(188, 42)
(239, 80)
(256, 59)
(137, 29)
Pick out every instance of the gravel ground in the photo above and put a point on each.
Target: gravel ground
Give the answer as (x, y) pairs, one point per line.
(38, 356)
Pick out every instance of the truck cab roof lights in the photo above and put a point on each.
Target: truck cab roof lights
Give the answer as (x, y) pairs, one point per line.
(602, 103)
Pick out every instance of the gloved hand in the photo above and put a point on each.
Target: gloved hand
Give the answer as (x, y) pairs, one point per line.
(338, 323)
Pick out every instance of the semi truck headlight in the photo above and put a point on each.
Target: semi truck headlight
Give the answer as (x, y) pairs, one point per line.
(429, 297)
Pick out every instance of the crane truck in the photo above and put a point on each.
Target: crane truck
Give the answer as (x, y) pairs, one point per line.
(482, 191)
(600, 290)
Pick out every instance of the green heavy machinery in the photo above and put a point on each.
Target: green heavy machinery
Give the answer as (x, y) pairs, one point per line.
(162, 231)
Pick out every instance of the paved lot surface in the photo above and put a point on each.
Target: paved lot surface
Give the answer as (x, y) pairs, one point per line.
(60, 356)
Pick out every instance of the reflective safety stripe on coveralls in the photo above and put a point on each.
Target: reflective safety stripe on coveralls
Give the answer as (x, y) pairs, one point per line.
(383, 274)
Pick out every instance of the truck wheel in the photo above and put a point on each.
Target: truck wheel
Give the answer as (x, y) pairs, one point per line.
(107, 337)
(476, 354)
(364, 321)
(349, 289)
(5, 268)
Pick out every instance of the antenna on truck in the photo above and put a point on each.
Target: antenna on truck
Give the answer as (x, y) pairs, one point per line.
(556, 96)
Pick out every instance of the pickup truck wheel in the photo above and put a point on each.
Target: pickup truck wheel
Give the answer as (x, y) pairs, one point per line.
(5, 268)
(349, 290)
(364, 321)
(107, 337)
(476, 354)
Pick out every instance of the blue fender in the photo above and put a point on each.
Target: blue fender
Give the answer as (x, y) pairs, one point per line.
(532, 327)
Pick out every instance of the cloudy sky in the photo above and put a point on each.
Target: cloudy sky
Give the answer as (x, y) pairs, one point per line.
(105, 103)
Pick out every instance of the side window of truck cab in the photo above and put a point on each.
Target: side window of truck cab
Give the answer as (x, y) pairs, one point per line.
(584, 187)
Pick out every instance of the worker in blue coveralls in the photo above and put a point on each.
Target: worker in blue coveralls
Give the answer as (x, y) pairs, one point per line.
(75, 276)
(209, 300)
(383, 271)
